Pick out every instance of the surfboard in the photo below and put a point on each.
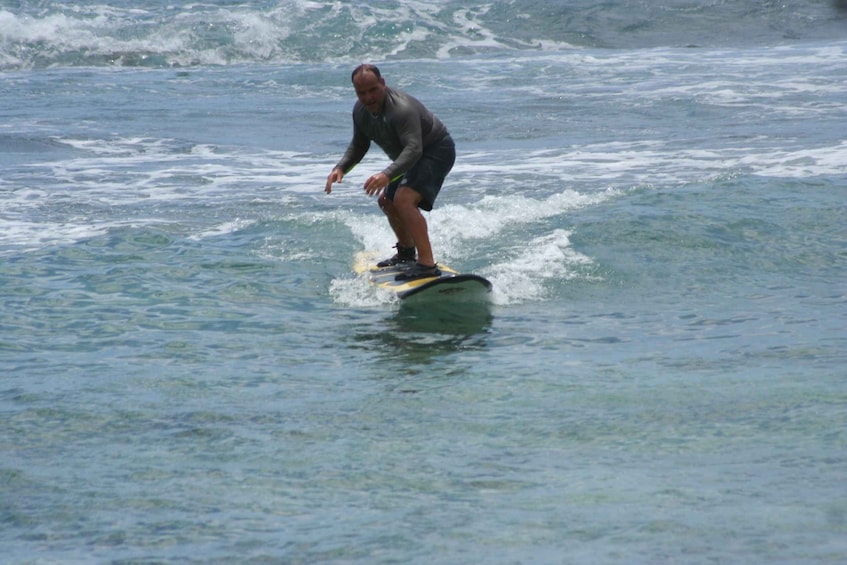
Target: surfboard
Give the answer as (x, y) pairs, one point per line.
(450, 286)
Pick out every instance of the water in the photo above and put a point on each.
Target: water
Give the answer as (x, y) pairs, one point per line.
(192, 372)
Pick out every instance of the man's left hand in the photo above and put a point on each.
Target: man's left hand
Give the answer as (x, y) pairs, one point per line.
(376, 183)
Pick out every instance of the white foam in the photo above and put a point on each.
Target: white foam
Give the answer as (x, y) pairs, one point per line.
(125, 172)
(619, 166)
(801, 163)
(457, 230)
(225, 228)
(533, 266)
(470, 34)
(25, 235)
(531, 269)
(357, 292)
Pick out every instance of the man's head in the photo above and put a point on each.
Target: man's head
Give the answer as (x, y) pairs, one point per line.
(370, 87)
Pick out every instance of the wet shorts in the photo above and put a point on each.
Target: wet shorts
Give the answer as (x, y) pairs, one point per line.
(427, 175)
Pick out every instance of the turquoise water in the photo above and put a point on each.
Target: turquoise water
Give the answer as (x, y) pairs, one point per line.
(193, 373)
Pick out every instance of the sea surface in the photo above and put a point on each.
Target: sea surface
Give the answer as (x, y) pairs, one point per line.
(190, 371)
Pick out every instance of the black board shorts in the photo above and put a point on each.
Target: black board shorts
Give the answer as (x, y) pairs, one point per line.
(428, 174)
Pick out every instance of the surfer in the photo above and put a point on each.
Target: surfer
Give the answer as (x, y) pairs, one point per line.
(422, 152)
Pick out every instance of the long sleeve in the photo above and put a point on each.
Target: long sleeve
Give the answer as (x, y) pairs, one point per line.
(357, 149)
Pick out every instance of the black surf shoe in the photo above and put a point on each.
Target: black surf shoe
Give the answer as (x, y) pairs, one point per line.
(403, 255)
(418, 271)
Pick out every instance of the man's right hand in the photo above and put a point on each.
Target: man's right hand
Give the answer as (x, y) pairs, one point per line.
(335, 176)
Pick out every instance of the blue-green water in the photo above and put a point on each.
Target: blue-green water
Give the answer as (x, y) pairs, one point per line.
(191, 372)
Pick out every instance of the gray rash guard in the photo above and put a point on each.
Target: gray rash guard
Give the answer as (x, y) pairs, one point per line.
(403, 129)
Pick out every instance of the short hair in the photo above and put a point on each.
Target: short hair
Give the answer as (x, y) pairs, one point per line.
(362, 69)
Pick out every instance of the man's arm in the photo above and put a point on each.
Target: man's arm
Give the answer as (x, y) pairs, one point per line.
(408, 127)
(334, 176)
(357, 149)
(359, 145)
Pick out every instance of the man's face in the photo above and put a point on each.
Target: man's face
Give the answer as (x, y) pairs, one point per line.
(370, 90)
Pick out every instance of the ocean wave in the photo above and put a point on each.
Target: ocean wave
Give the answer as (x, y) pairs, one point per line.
(291, 31)
(156, 34)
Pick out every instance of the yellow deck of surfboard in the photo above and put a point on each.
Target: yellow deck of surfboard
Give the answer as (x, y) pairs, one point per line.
(449, 282)
(384, 277)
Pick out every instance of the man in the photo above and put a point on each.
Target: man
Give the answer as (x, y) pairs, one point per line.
(422, 152)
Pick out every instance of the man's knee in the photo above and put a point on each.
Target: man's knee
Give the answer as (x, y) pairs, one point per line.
(385, 203)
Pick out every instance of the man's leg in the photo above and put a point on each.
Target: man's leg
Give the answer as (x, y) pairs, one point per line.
(404, 238)
(412, 222)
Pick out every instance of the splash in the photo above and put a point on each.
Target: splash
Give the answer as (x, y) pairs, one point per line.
(535, 266)
(467, 236)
